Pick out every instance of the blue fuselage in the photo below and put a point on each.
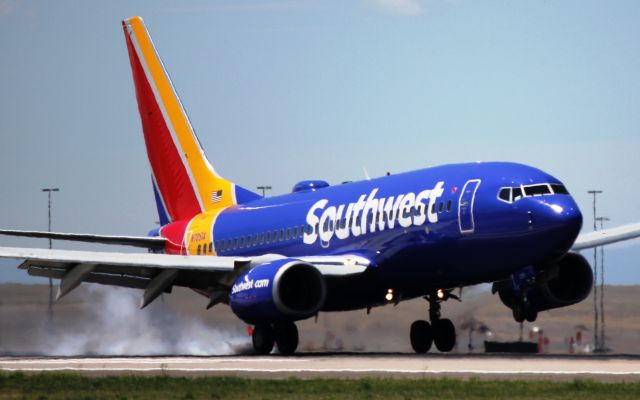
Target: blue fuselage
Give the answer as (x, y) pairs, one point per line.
(441, 227)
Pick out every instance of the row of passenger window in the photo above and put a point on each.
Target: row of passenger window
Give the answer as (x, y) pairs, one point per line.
(512, 194)
(245, 242)
(249, 241)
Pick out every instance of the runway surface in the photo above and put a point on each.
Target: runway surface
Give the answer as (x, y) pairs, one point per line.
(621, 368)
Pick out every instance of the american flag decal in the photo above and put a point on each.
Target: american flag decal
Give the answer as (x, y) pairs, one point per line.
(216, 196)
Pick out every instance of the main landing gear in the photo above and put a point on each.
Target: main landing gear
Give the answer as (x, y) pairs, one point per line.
(282, 334)
(440, 331)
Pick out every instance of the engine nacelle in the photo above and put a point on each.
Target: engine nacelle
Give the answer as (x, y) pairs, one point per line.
(280, 290)
(562, 284)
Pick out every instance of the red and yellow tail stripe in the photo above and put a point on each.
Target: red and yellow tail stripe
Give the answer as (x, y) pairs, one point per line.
(186, 181)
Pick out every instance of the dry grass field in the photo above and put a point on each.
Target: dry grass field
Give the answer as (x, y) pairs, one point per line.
(102, 320)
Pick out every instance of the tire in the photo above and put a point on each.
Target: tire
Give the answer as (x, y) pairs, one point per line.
(286, 337)
(444, 335)
(518, 313)
(263, 339)
(421, 336)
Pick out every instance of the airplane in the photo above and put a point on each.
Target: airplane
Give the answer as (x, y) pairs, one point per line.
(322, 248)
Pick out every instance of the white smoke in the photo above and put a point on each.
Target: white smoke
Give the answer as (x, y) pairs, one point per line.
(114, 325)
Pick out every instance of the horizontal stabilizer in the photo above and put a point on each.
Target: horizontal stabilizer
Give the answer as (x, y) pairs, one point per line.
(153, 243)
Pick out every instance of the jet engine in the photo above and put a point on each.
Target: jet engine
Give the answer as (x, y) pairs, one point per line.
(282, 290)
(563, 283)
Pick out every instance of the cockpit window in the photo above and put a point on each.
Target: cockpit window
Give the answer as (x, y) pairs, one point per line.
(537, 190)
(505, 194)
(513, 194)
(559, 189)
(517, 193)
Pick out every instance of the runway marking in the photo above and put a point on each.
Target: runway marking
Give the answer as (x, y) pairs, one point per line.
(146, 361)
(339, 366)
(329, 370)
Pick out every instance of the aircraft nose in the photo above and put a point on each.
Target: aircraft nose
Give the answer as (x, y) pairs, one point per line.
(558, 216)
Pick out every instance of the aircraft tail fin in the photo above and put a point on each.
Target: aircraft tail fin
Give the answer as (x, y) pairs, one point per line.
(185, 183)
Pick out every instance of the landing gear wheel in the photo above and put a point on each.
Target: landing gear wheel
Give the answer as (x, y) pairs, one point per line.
(444, 335)
(518, 313)
(532, 316)
(286, 335)
(263, 339)
(421, 336)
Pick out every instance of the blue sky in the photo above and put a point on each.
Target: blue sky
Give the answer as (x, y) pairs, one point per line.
(281, 91)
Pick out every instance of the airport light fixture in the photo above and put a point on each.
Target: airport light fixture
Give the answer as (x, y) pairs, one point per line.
(602, 346)
(596, 340)
(49, 191)
(264, 189)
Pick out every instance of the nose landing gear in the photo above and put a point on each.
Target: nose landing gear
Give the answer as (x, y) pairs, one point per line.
(440, 331)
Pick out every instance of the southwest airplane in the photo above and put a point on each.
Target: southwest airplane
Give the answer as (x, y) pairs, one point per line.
(351, 246)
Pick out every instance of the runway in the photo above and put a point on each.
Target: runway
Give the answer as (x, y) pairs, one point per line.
(346, 366)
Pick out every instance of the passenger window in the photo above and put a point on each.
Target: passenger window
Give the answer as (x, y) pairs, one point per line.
(241, 245)
(295, 232)
(281, 234)
(222, 245)
(268, 238)
(433, 208)
(288, 233)
(274, 238)
(505, 194)
(261, 238)
(229, 244)
(211, 247)
(440, 207)
(198, 250)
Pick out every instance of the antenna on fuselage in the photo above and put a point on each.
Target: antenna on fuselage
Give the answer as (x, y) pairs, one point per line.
(366, 174)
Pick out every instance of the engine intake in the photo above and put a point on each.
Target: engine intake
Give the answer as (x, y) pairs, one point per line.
(561, 284)
(285, 289)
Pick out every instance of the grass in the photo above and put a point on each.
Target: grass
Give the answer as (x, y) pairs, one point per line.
(71, 386)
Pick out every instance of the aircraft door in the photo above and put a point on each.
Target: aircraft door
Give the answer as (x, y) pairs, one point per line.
(465, 206)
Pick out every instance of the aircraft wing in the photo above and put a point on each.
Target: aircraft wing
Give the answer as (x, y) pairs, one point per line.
(156, 273)
(607, 236)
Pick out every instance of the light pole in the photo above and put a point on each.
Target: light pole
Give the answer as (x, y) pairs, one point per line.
(49, 191)
(595, 274)
(264, 189)
(602, 340)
